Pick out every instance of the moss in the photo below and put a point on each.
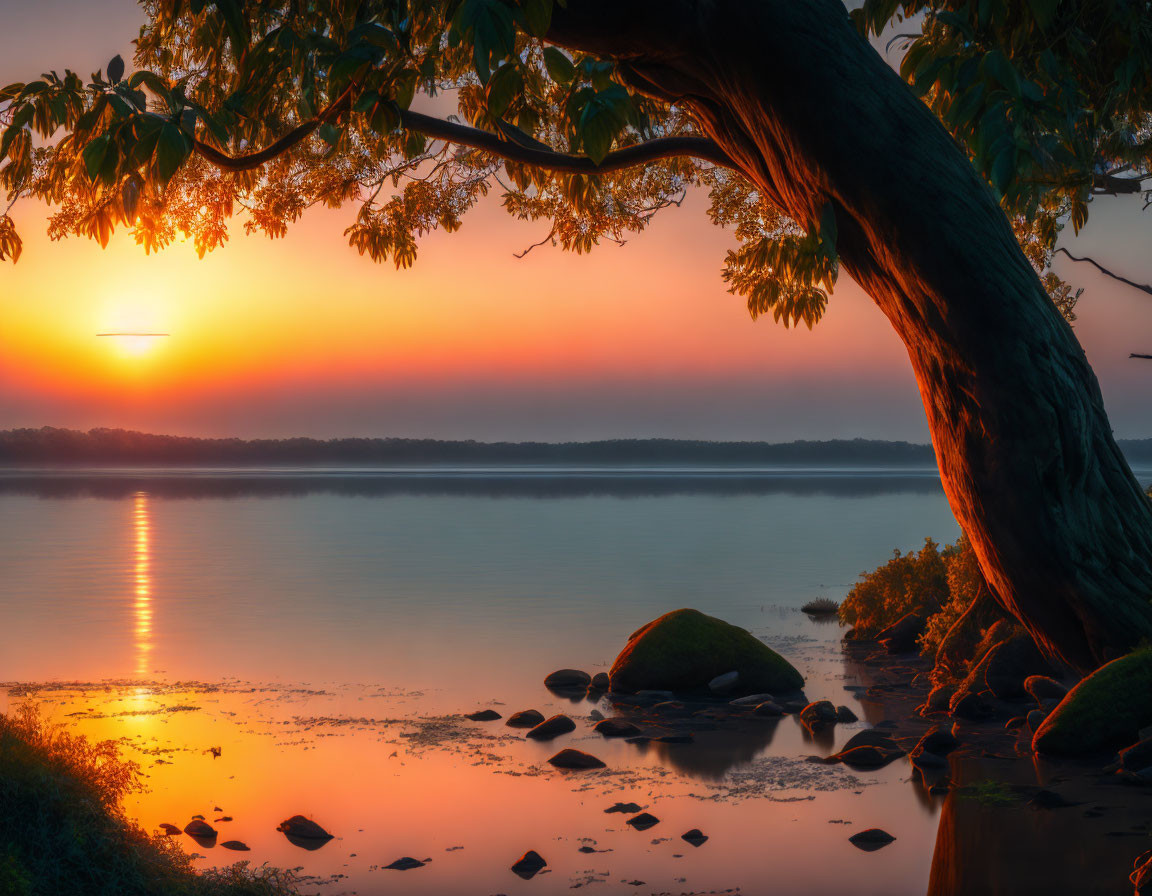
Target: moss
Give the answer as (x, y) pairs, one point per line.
(1103, 712)
(64, 832)
(685, 649)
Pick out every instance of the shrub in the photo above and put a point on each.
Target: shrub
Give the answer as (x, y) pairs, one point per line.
(965, 582)
(821, 606)
(64, 831)
(907, 583)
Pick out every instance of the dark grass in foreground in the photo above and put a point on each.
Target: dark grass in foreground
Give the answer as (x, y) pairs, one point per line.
(63, 830)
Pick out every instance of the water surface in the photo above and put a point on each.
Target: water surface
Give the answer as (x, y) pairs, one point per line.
(325, 629)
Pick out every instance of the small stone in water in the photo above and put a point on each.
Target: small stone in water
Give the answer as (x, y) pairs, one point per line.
(643, 821)
(529, 865)
(484, 715)
(405, 864)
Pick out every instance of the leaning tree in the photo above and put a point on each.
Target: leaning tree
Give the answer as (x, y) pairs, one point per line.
(942, 197)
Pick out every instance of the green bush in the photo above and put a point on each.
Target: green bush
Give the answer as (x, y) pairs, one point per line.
(64, 831)
(965, 582)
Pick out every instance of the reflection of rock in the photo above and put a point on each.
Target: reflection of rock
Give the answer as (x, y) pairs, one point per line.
(169, 830)
(237, 845)
(552, 728)
(529, 865)
(303, 832)
(713, 753)
(575, 759)
(685, 650)
(871, 839)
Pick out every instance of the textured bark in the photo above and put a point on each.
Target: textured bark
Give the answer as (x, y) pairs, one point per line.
(812, 115)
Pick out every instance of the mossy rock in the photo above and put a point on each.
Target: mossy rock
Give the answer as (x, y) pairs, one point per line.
(1104, 712)
(685, 649)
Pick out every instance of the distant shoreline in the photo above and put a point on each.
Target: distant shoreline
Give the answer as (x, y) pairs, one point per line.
(52, 447)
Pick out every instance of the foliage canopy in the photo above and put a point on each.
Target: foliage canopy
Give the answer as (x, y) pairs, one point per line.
(271, 108)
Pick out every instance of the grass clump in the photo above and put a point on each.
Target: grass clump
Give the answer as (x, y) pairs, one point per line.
(821, 606)
(63, 830)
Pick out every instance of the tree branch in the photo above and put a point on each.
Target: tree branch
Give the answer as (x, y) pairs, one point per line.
(525, 153)
(1143, 287)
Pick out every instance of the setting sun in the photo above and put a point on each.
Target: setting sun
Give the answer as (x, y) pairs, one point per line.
(133, 345)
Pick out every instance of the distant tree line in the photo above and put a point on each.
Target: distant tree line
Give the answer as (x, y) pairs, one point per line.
(119, 446)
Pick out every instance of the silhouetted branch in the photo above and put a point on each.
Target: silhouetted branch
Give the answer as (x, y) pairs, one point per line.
(525, 151)
(1143, 287)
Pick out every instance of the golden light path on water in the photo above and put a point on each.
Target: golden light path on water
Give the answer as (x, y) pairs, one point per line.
(142, 581)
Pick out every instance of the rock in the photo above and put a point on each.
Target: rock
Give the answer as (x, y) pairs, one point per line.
(575, 759)
(971, 706)
(675, 739)
(568, 680)
(867, 757)
(937, 741)
(303, 832)
(169, 830)
(1016, 722)
(1137, 757)
(616, 728)
(526, 718)
(724, 684)
(769, 710)
(752, 700)
(1041, 688)
(626, 808)
(529, 865)
(871, 839)
(596, 715)
(929, 761)
(1050, 799)
(655, 694)
(695, 836)
(685, 650)
(791, 707)
(1006, 666)
(552, 728)
(405, 864)
(872, 737)
(199, 829)
(845, 716)
(1105, 711)
(237, 845)
(1036, 718)
(901, 636)
(643, 821)
(484, 715)
(940, 698)
(601, 681)
(818, 714)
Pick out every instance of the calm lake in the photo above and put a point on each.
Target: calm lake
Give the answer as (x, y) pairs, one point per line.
(326, 630)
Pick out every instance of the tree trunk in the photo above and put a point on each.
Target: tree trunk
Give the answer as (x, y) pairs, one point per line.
(812, 115)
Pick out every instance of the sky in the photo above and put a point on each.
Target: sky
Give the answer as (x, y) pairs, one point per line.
(302, 336)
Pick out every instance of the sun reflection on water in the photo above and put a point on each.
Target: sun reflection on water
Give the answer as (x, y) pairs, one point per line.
(142, 580)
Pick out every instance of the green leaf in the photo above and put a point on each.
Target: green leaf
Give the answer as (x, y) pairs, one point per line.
(538, 14)
(94, 154)
(116, 69)
(385, 117)
(502, 88)
(601, 120)
(234, 24)
(560, 67)
(171, 150)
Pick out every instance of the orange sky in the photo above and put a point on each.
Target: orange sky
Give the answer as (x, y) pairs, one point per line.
(303, 336)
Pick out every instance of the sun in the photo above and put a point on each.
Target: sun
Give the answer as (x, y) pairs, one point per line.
(134, 344)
